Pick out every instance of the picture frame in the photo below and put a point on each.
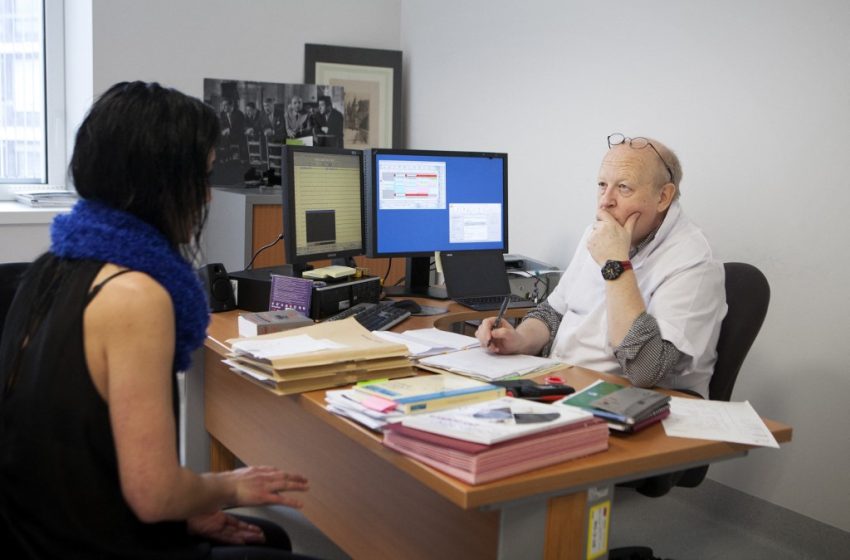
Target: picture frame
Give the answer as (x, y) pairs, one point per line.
(372, 82)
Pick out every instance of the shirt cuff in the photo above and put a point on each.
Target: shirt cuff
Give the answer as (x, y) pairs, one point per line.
(549, 317)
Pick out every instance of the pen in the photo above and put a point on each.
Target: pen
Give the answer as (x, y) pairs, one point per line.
(498, 322)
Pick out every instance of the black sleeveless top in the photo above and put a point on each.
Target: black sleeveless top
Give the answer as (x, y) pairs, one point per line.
(60, 494)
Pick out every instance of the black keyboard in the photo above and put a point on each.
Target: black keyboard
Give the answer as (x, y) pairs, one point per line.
(374, 316)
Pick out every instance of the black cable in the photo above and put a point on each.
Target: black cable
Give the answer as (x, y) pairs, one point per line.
(263, 248)
(387, 275)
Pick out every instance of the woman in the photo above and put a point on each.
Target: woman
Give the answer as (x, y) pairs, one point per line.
(97, 331)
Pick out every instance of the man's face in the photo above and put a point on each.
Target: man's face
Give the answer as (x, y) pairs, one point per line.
(323, 107)
(226, 106)
(628, 183)
(251, 111)
(296, 104)
(267, 107)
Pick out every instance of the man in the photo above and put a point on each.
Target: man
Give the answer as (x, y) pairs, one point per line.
(329, 123)
(297, 120)
(643, 296)
(252, 120)
(232, 131)
(271, 122)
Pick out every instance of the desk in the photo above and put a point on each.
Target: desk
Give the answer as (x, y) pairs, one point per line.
(376, 503)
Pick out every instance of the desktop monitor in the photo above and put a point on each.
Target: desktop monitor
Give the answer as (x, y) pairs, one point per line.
(419, 202)
(322, 204)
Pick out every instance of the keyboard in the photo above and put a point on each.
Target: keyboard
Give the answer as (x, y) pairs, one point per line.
(373, 316)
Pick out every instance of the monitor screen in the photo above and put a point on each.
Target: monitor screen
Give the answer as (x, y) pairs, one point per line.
(420, 202)
(322, 203)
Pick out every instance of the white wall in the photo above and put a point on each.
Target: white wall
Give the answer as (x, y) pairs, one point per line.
(753, 95)
(181, 42)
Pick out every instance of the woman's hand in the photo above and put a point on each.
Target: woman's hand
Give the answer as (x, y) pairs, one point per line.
(224, 528)
(264, 486)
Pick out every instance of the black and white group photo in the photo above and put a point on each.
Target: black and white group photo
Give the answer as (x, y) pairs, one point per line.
(259, 118)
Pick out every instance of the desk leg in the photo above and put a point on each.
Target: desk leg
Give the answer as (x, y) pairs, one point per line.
(577, 525)
(221, 459)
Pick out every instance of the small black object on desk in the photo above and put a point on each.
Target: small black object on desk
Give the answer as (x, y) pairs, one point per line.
(408, 305)
(528, 389)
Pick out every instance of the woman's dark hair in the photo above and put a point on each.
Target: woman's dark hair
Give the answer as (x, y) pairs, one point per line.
(144, 149)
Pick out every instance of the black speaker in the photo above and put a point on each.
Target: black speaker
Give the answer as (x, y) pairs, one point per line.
(217, 284)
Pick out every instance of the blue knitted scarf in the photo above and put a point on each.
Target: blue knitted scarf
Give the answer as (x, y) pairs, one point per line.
(95, 231)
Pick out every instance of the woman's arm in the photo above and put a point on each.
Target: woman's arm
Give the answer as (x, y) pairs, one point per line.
(129, 334)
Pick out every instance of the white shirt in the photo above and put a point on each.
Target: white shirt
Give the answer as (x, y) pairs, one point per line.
(683, 289)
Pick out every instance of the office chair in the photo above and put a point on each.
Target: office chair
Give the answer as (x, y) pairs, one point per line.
(747, 298)
(10, 277)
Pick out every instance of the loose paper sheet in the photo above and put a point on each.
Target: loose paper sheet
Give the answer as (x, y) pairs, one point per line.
(478, 362)
(278, 347)
(737, 422)
(414, 347)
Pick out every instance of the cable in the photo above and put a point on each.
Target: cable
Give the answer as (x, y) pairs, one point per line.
(263, 248)
(387, 275)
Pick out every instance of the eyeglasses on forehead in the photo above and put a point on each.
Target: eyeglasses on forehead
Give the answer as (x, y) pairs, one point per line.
(637, 143)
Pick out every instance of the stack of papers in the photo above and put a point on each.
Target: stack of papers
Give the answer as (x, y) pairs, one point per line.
(350, 404)
(481, 364)
(317, 357)
(48, 199)
(487, 441)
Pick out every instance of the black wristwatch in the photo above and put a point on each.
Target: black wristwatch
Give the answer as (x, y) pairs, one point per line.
(612, 270)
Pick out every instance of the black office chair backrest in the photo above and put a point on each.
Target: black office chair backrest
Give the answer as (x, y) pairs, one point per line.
(10, 277)
(747, 295)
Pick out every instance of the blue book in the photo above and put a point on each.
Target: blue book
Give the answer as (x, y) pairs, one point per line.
(426, 393)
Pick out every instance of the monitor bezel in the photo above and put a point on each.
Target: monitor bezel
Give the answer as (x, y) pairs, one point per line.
(288, 213)
(371, 221)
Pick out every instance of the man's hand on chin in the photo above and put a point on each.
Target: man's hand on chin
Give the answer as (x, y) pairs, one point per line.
(609, 240)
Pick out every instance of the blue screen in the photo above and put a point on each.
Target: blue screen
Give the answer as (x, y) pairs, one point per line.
(425, 202)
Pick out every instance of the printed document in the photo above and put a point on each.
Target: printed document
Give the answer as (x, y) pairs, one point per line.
(737, 422)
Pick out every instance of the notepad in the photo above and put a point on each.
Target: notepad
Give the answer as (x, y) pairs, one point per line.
(479, 363)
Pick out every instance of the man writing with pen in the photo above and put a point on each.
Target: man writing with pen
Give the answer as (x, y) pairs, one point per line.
(643, 296)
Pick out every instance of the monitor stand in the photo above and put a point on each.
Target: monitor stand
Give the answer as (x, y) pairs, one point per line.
(417, 281)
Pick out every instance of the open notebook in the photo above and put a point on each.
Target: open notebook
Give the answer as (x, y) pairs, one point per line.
(478, 279)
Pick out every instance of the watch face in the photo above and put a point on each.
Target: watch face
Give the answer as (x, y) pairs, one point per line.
(612, 270)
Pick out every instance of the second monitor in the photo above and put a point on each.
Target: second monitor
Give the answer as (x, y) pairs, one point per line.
(419, 202)
(322, 205)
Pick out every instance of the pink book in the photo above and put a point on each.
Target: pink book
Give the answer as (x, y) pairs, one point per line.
(475, 463)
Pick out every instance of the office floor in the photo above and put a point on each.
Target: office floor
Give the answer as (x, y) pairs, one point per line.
(710, 522)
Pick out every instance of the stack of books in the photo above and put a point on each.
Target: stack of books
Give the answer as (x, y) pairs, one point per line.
(375, 404)
(625, 408)
(491, 440)
(320, 356)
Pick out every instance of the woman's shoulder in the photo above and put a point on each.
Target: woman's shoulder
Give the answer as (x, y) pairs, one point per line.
(118, 288)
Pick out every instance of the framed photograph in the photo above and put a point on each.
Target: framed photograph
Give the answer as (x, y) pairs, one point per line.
(258, 118)
(371, 79)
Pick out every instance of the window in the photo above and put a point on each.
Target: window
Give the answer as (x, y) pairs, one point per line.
(32, 147)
